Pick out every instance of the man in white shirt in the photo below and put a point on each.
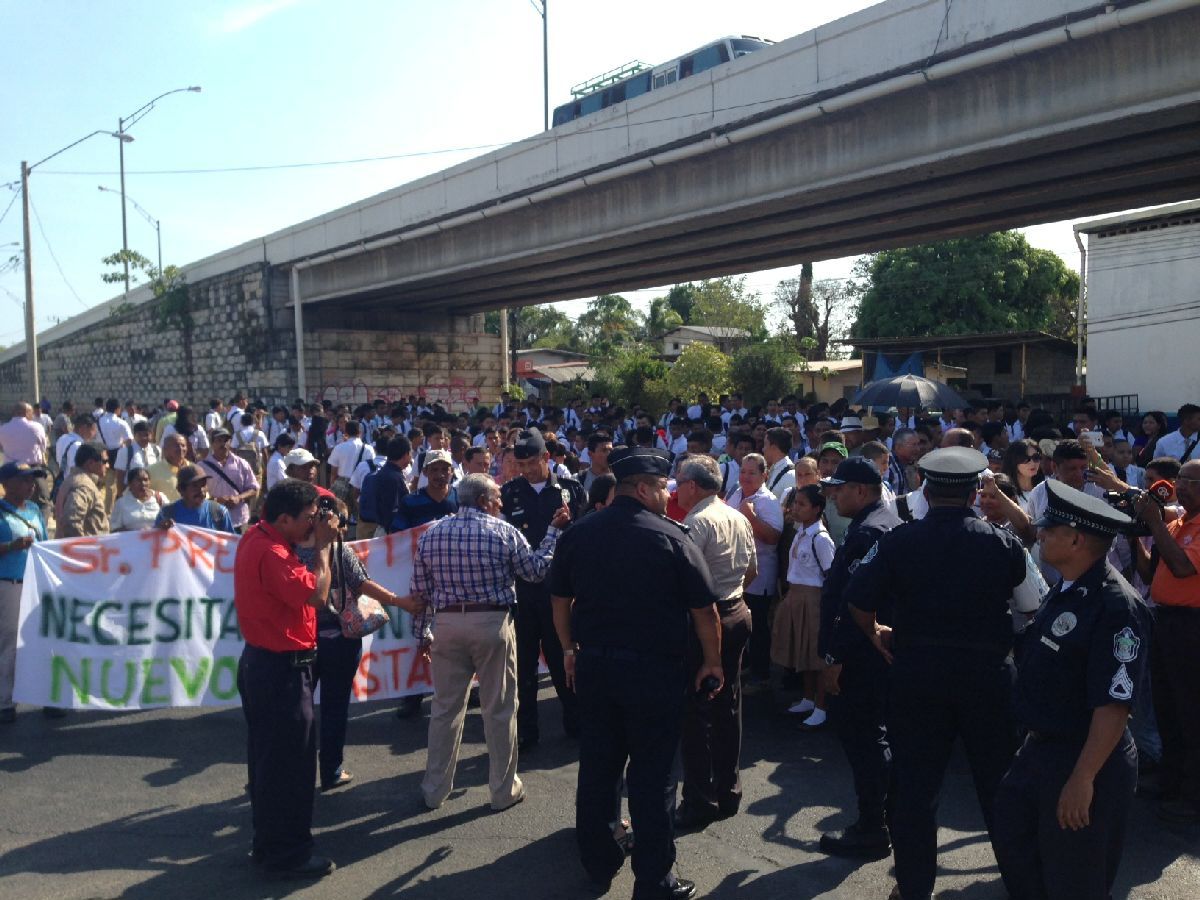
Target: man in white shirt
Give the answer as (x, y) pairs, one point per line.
(215, 417)
(68, 445)
(140, 453)
(781, 473)
(754, 501)
(115, 434)
(237, 406)
(696, 410)
(345, 457)
(1183, 444)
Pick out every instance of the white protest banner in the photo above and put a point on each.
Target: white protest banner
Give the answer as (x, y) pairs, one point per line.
(146, 619)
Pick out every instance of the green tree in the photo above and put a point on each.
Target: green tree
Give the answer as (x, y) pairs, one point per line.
(633, 376)
(609, 323)
(766, 370)
(536, 326)
(820, 311)
(661, 317)
(991, 283)
(682, 298)
(727, 302)
(700, 367)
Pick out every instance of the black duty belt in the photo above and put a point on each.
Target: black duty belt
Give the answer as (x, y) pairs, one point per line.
(623, 655)
(297, 659)
(906, 641)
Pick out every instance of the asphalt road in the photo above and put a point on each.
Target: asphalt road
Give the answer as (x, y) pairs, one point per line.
(150, 805)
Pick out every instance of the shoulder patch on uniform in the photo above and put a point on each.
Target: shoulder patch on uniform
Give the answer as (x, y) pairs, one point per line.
(1064, 624)
(871, 554)
(1122, 685)
(1125, 645)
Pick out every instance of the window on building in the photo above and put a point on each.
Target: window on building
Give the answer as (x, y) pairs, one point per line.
(675, 346)
(1004, 362)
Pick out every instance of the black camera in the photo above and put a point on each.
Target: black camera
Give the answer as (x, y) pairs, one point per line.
(1126, 502)
(326, 507)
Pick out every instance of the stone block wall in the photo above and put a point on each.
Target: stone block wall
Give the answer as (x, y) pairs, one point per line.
(242, 337)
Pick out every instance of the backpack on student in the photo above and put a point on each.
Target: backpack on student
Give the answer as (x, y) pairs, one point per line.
(368, 494)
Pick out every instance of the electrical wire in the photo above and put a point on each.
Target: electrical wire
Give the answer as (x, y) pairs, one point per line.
(54, 257)
(16, 194)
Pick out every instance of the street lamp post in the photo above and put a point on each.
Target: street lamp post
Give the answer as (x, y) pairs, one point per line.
(31, 360)
(145, 215)
(127, 122)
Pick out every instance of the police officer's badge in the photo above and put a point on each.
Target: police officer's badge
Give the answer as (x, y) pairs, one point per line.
(566, 496)
(1125, 645)
(1122, 685)
(1064, 624)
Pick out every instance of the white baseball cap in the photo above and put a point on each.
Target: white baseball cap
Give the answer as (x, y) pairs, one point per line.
(299, 457)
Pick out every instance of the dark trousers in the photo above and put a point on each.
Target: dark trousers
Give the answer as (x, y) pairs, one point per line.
(1175, 680)
(281, 755)
(536, 636)
(1038, 859)
(759, 651)
(712, 729)
(336, 666)
(630, 709)
(934, 701)
(859, 713)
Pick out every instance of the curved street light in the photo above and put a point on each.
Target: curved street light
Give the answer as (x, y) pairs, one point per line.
(127, 122)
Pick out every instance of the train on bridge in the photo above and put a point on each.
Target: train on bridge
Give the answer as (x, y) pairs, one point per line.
(635, 78)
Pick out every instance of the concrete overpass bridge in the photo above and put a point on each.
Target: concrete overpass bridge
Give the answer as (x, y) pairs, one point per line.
(906, 122)
(909, 121)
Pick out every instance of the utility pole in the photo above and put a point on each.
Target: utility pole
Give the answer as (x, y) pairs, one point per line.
(545, 65)
(31, 358)
(124, 229)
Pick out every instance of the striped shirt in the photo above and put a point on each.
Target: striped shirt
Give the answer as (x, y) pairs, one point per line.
(472, 557)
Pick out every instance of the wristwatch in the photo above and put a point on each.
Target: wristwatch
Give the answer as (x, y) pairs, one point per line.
(569, 651)
(829, 660)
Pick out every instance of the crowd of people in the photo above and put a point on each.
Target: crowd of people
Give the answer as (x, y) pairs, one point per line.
(906, 577)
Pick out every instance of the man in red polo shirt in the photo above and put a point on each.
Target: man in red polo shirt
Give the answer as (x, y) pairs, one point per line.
(276, 599)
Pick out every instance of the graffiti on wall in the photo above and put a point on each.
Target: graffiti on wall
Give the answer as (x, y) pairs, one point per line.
(455, 396)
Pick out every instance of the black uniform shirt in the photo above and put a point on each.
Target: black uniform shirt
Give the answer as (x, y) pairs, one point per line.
(634, 575)
(530, 512)
(1084, 650)
(947, 579)
(838, 636)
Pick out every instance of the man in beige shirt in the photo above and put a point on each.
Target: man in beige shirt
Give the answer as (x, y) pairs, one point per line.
(163, 473)
(83, 511)
(712, 729)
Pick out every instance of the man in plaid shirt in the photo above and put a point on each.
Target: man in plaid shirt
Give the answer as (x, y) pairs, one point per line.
(464, 573)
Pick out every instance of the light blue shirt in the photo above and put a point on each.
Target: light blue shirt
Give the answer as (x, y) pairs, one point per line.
(17, 523)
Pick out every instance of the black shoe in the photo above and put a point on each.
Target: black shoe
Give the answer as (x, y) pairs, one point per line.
(408, 707)
(1178, 812)
(694, 816)
(857, 843)
(341, 778)
(670, 888)
(8, 715)
(525, 744)
(53, 712)
(313, 867)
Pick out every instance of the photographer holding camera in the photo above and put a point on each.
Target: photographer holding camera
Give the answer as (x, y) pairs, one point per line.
(1172, 570)
(277, 599)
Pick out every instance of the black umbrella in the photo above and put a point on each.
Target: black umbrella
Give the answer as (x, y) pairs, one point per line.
(909, 391)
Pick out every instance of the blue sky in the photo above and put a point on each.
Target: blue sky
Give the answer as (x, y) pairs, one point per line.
(299, 81)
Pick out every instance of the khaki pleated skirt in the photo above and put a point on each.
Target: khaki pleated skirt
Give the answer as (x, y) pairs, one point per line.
(794, 631)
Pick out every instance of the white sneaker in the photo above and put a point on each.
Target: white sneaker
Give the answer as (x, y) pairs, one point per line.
(802, 707)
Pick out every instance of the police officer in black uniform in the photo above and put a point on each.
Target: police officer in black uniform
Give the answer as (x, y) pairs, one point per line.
(856, 677)
(949, 646)
(625, 651)
(1062, 808)
(530, 502)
